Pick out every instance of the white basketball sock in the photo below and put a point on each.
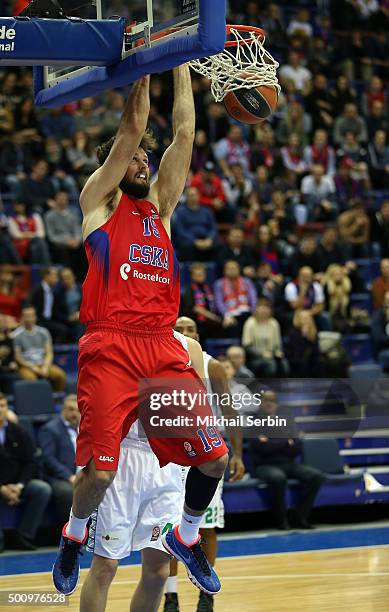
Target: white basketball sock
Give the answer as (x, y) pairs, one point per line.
(189, 528)
(171, 585)
(75, 528)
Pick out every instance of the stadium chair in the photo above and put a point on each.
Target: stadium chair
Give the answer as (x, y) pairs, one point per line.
(359, 85)
(323, 454)
(184, 274)
(26, 423)
(36, 277)
(359, 347)
(216, 346)
(362, 300)
(65, 356)
(366, 451)
(366, 370)
(375, 263)
(378, 197)
(245, 483)
(211, 273)
(369, 269)
(34, 399)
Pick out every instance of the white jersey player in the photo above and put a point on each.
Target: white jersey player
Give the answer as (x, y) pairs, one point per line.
(217, 383)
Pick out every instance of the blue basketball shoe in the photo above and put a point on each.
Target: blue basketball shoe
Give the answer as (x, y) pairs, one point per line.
(66, 569)
(199, 570)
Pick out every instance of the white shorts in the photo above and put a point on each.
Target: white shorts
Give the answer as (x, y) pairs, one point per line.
(142, 502)
(214, 514)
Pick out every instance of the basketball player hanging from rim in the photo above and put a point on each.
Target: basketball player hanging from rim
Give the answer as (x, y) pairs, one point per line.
(130, 305)
(139, 506)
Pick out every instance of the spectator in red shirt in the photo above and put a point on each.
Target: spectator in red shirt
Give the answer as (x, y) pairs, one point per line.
(11, 293)
(235, 298)
(28, 233)
(292, 156)
(198, 302)
(8, 366)
(380, 285)
(210, 188)
(376, 119)
(347, 188)
(263, 150)
(202, 151)
(320, 153)
(231, 150)
(375, 91)
(266, 248)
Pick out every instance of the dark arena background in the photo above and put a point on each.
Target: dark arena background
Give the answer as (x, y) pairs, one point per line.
(282, 236)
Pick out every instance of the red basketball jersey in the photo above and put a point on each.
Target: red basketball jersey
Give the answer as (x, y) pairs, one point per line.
(133, 276)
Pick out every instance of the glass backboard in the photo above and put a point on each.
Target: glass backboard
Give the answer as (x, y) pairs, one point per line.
(148, 23)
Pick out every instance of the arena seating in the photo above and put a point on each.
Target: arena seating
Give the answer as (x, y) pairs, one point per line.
(34, 399)
(343, 458)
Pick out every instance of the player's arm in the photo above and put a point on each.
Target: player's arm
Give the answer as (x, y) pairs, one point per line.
(132, 127)
(175, 163)
(196, 357)
(220, 386)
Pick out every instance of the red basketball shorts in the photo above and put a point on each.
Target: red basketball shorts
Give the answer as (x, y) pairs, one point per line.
(112, 361)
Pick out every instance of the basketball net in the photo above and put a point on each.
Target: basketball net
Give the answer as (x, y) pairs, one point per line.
(244, 53)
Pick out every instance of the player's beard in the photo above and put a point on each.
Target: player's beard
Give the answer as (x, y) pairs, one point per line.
(135, 190)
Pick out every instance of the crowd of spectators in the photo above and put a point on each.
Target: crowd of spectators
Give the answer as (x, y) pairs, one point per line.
(279, 211)
(27, 353)
(30, 479)
(295, 200)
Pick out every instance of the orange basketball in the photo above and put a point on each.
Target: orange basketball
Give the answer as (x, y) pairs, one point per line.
(251, 105)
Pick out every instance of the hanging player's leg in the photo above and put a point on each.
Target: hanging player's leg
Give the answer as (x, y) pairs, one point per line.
(209, 546)
(214, 517)
(183, 542)
(209, 536)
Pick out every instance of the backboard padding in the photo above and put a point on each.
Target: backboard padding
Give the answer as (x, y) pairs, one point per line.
(176, 31)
